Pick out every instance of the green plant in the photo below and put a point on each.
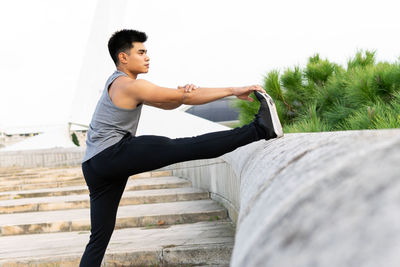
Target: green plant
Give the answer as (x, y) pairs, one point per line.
(324, 96)
(75, 139)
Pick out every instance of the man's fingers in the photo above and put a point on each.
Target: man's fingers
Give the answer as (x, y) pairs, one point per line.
(185, 87)
(192, 87)
(257, 88)
(189, 87)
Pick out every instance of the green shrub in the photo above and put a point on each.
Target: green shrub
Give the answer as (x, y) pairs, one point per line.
(327, 97)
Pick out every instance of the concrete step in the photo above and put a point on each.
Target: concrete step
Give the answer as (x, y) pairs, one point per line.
(38, 172)
(60, 191)
(51, 179)
(72, 179)
(19, 176)
(50, 176)
(19, 187)
(58, 174)
(54, 189)
(6, 186)
(40, 180)
(7, 171)
(82, 201)
(197, 244)
(128, 216)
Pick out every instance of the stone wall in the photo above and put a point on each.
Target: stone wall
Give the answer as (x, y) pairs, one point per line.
(312, 199)
(215, 176)
(42, 158)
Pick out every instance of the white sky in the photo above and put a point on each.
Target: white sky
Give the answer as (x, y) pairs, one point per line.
(209, 42)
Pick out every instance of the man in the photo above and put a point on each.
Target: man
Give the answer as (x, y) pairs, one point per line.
(114, 152)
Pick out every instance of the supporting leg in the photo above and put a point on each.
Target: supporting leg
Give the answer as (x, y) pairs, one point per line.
(105, 195)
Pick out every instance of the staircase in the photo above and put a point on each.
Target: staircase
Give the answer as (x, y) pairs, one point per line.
(161, 221)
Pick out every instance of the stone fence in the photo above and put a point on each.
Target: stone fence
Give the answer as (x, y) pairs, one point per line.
(54, 157)
(311, 199)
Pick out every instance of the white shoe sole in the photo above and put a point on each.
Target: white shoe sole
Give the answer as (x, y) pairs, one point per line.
(274, 115)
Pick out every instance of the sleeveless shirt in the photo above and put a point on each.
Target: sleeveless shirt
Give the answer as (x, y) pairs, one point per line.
(109, 122)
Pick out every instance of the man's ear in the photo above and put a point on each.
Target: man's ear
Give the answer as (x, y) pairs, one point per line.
(122, 57)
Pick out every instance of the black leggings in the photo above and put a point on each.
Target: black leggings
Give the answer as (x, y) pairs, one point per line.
(106, 173)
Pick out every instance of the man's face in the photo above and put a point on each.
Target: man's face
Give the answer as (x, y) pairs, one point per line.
(137, 61)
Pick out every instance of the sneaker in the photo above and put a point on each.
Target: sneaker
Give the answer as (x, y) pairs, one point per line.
(267, 117)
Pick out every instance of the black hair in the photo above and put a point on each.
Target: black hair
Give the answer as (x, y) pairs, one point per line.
(121, 41)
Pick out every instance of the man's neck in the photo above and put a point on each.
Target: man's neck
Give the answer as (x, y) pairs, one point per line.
(130, 74)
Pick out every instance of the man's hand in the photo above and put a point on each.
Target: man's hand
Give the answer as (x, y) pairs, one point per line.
(244, 92)
(188, 88)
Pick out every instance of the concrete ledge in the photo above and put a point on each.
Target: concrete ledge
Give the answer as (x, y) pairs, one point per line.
(312, 199)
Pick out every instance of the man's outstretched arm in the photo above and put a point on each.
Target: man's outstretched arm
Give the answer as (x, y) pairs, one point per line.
(187, 89)
(146, 92)
(167, 106)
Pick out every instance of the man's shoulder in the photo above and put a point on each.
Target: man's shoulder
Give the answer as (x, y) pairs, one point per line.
(122, 82)
(134, 84)
(128, 81)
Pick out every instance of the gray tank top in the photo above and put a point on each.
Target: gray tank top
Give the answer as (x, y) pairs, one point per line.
(109, 122)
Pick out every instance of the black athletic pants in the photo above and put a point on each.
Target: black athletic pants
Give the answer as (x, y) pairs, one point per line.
(106, 173)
